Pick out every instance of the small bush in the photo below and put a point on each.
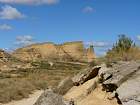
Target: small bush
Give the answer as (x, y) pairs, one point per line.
(124, 50)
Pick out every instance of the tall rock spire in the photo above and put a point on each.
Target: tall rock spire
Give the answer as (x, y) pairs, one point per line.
(90, 54)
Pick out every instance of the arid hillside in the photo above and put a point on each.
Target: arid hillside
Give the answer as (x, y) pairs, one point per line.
(69, 51)
(9, 62)
(98, 85)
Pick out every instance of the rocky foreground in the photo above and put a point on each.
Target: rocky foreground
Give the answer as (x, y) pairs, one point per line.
(99, 85)
(124, 79)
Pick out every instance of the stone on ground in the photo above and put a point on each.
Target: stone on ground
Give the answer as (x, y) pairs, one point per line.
(50, 98)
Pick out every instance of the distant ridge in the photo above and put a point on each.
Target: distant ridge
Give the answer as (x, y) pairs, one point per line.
(68, 51)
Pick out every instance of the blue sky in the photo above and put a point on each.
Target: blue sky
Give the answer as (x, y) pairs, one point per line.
(97, 21)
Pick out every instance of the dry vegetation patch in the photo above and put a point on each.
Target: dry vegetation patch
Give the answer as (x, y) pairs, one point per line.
(18, 84)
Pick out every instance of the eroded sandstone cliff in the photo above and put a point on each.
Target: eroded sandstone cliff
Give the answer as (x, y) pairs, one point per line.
(69, 51)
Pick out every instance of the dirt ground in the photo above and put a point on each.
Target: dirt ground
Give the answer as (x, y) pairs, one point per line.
(27, 101)
(97, 97)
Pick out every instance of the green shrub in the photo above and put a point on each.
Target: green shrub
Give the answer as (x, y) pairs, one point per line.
(124, 49)
(123, 44)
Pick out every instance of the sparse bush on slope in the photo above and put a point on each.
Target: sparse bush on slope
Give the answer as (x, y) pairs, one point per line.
(124, 49)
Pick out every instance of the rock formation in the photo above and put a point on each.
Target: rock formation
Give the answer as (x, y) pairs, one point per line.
(77, 93)
(87, 93)
(120, 85)
(9, 62)
(85, 75)
(69, 51)
(5, 60)
(124, 79)
(4, 56)
(90, 54)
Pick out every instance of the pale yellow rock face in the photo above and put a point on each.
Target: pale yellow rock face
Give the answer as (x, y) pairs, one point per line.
(1, 54)
(90, 54)
(79, 92)
(70, 51)
(89, 94)
(75, 50)
(3, 58)
(97, 97)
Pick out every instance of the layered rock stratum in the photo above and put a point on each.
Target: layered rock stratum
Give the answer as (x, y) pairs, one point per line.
(69, 51)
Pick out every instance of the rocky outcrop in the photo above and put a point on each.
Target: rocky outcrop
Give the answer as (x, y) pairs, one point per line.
(4, 56)
(124, 79)
(86, 91)
(9, 62)
(90, 54)
(77, 93)
(69, 51)
(121, 82)
(71, 94)
(85, 75)
(5, 61)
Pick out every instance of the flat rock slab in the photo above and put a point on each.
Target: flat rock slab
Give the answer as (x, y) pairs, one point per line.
(85, 75)
(129, 91)
(126, 80)
(122, 72)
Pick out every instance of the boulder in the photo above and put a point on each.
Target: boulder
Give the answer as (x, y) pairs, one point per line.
(50, 98)
(85, 75)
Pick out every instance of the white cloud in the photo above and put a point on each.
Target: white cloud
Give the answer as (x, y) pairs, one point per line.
(98, 44)
(24, 40)
(5, 27)
(100, 53)
(8, 12)
(88, 9)
(30, 2)
(138, 37)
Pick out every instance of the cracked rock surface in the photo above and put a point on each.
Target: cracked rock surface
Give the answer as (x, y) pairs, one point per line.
(126, 79)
